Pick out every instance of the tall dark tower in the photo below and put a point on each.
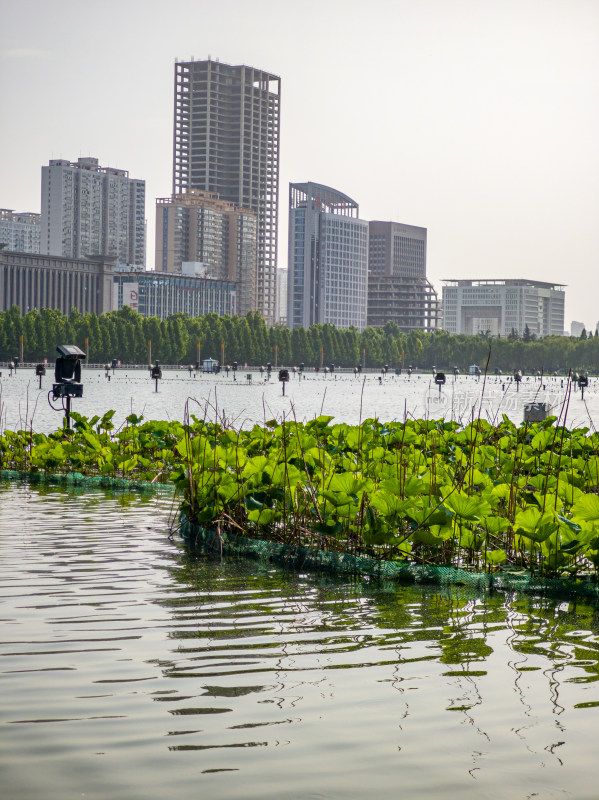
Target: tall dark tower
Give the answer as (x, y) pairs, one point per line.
(226, 140)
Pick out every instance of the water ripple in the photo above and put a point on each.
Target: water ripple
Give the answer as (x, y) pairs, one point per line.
(116, 641)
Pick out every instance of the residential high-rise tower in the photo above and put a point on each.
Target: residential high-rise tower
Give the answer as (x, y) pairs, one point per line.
(92, 210)
(198, 227)
(226, 140)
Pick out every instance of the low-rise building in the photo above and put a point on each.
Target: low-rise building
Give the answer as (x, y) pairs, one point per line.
(30, 280)
(160, 294)
(501, 307)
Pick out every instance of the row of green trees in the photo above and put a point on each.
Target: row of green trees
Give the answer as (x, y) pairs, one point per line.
(125, 334)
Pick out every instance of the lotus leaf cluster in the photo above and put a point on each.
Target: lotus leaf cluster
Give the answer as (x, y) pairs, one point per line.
(432, 492)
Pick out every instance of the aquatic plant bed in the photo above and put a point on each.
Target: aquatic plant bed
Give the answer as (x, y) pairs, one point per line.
(480, 497)
(511, 501)
(141, 451)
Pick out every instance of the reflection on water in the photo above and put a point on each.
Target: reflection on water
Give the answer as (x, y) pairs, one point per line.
(133, 669)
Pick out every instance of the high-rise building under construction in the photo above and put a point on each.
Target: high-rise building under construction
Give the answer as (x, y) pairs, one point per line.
(226, 140)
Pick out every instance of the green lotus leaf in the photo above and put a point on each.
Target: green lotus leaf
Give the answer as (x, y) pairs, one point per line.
(586, 508)
(346, 482)
(469, 539)
(254, 466)
(568, 493)
(534, 524)
(388, 504)
(229, 489)
(543, 439)
(573, 526)
(496, 556)
(426, 516)
(337, 498)
(427, 538)
(264, 516)
(502, 491)
(496, 524)
(470, 508)
(413, 486)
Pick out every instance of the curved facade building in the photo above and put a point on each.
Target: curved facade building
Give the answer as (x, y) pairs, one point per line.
(328, 258)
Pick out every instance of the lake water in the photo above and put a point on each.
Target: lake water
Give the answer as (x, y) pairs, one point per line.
(133, 670)
(343, 396)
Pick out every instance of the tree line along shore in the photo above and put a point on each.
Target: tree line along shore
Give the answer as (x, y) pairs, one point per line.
(181, 339)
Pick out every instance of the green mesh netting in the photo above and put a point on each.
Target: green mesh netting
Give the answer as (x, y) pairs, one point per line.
(92, 481)
(305, 558)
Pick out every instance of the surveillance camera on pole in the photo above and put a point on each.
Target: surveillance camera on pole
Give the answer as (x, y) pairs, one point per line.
(40, 371)
(518, 379)
(156, 373)
(283, 377)
(67, 376)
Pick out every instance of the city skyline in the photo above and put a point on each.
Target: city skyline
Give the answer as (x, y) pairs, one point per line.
(476, 121)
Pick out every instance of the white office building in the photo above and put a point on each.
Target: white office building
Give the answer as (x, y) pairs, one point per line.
(501, 307)
(328, 259)
(92, 210)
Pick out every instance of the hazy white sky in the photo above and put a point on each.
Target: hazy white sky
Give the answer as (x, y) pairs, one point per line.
(477, 119)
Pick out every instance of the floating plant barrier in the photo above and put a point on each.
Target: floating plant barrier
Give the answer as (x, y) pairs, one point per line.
(502, 499)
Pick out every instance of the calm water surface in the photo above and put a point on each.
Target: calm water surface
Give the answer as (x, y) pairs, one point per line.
(133, 669)
(346, 398)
